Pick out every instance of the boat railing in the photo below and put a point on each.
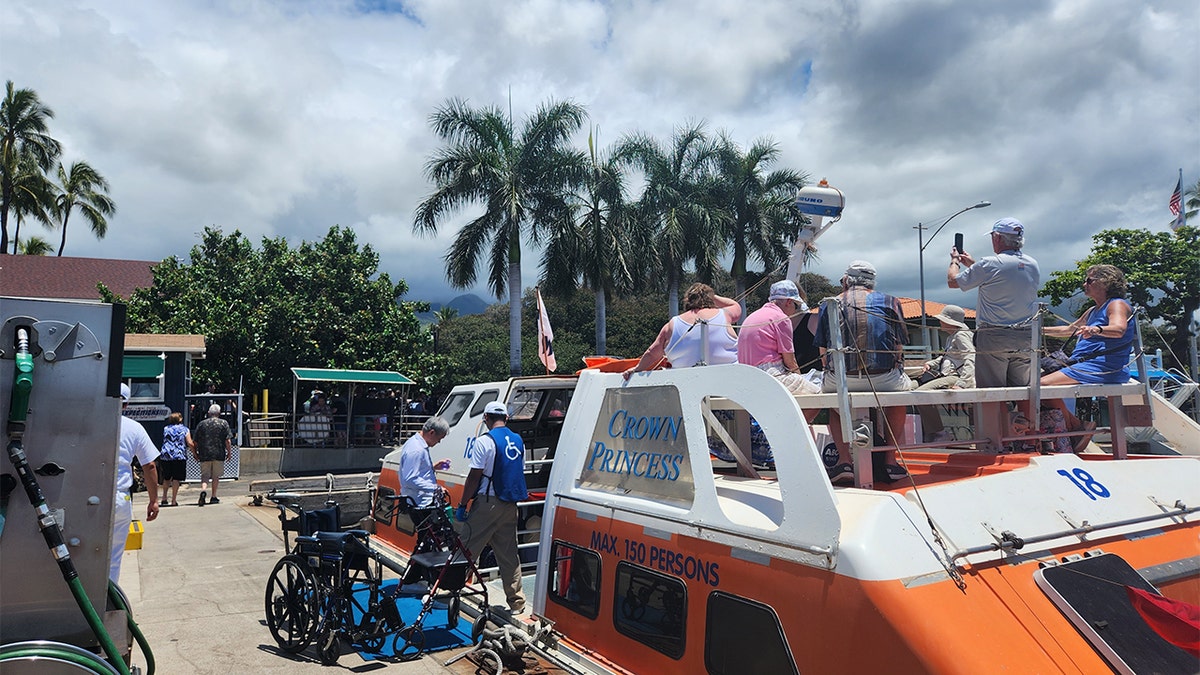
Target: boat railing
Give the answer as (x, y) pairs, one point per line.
(1129, 404)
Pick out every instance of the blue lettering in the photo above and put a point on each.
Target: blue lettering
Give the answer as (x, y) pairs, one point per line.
(654, 427)
(613, 422)
(673, 424)
(624, 462)
(637, 460)
(675, 460)
(655, 553)
(630, 426)
(652, 466)
(643, 426)
(597, 451)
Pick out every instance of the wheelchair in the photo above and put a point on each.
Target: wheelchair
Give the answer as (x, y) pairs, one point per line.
(327, 590)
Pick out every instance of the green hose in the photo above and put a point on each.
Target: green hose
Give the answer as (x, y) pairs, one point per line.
(118, 600)
(31, 651)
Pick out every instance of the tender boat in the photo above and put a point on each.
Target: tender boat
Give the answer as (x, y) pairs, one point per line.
(649, 557)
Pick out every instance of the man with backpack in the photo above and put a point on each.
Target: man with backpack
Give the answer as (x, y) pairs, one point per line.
(496, 482)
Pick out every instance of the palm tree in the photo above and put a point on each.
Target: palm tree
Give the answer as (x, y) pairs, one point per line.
(35, 246)
(445, 314)
(675, 205)
(763, 217)
(23, 126)
(519, 179)
(1191, 203)
(85, 188)
(595, 244)
(32, 197)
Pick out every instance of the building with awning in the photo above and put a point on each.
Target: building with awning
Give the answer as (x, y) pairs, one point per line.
(158, 370)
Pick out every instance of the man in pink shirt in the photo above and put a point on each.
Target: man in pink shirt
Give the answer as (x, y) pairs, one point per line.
(765, 340)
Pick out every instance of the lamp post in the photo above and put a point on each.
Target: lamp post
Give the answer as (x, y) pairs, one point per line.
(923, 243)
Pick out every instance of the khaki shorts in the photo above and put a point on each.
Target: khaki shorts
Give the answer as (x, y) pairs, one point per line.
(892, 380)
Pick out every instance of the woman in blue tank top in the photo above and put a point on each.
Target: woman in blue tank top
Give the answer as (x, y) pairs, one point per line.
(1105, 333)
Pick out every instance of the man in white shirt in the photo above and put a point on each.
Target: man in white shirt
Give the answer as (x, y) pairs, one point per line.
(135, 442)
(417, 478)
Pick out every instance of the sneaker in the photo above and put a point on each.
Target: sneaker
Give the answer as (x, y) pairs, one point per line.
(892, 473)
(841, 473)
(214, 500)
(203, 496)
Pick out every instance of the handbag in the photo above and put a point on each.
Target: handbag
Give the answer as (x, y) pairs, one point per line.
(931, 374)
(1055, 361)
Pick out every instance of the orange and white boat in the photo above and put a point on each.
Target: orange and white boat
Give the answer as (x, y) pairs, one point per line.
(647, 557)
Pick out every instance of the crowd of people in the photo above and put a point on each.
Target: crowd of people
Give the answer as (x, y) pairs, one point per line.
(788, 341)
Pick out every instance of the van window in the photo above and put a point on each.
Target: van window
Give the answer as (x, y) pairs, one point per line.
(454, 407)
(485, 398)
(575, 579)
(651, 608)
(732, 623)
(524, 403)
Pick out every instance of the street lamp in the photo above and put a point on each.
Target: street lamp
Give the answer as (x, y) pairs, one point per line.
(921, 241)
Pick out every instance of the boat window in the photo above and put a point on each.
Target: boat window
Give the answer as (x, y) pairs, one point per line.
(651, 608)
(454, 407)
(485, 398)
(1104, 597)
(733, 623)
(524, 403)
(575, 579)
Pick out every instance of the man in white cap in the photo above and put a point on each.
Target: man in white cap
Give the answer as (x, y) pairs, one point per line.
(496, 482)
(874, 332)
(134, 442)
(1008, 286)
(765, 340)
(213, 447)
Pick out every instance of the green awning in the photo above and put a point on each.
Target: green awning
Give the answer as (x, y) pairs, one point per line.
(358, 376)
(141, 367)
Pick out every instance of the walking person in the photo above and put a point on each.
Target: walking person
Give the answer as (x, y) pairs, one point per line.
(134, 442)
(212, 448)
(496, 482)
(177, 443)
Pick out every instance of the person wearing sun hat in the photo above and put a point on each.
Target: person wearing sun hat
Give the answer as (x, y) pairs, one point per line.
(955, 368)
(874, 331)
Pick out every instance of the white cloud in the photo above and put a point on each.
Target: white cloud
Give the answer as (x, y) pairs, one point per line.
(283, 118)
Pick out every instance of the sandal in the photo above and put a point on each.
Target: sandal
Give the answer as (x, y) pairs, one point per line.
(163, 503)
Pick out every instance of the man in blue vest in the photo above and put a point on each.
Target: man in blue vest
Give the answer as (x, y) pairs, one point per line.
(496, 481)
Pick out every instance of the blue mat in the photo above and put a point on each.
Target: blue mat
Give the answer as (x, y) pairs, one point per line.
(437, 636)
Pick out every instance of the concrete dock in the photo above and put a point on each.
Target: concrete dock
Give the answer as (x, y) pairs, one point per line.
(197, 585)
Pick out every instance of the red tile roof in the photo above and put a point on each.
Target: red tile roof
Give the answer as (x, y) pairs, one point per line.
(912, 308)
(39, 276)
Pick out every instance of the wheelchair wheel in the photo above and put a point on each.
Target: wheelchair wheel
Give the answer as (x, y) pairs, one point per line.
(329, 648)
(409, 643)
(480, 623)
(293, 603)
(452, 610)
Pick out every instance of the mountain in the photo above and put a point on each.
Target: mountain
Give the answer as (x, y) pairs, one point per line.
(468, 303)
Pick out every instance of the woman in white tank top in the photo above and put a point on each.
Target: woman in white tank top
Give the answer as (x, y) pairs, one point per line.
(681, 339)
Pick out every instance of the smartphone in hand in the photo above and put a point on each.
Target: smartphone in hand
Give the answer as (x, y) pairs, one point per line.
(958, 242)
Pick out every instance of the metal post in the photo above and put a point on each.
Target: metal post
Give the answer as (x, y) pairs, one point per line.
(921, 268)
(863, 475)
(1035, 369)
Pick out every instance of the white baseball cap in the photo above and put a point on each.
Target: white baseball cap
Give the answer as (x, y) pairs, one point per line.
(495, 408)
(124, 392)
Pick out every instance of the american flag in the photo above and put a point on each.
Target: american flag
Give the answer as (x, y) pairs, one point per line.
(1176, 204)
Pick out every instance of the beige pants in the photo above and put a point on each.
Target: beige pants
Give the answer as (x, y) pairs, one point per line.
(493, 522)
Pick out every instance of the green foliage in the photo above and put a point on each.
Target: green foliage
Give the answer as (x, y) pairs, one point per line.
(84, 188)
(1163, 271)
(262, 312)
(24, 140)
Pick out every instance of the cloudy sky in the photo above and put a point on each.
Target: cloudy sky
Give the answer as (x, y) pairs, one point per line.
(284, 117)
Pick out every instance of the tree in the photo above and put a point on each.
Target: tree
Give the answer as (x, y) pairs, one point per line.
(34, 246)
(445, 314)
(32, 196)
(1163, 271)
(1191, 201)
(519, 178)
(763, 218)
(83, 187)
(23, 124)
(594, 245)
(674, 212)
(322, 304)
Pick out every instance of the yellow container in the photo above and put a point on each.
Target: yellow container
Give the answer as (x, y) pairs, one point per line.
(133, 542)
